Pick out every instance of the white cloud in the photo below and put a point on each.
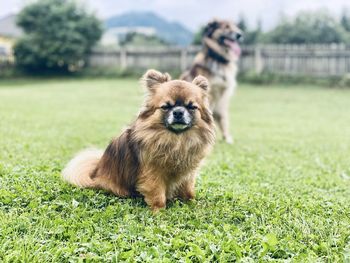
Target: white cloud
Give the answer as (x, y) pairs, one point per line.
(9, 7)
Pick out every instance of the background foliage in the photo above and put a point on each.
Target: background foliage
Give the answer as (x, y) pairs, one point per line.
(319, 27)
(59, 35)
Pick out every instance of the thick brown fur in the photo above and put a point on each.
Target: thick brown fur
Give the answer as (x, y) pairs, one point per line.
(218, 63)
(147, 158)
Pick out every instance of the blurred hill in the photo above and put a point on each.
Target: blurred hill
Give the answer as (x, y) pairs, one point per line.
(170, 32)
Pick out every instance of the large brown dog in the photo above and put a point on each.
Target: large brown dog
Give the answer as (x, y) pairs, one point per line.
(158, 156)
(218, 62)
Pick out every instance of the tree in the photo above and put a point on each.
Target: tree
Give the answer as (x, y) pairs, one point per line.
(308, 28)
(242, 24)
(59, 35)
(251, 37)
(197, 39)
(345, 21)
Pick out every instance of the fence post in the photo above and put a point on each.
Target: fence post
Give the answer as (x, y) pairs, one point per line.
(183, 59)
(258, 60)
(123, 58)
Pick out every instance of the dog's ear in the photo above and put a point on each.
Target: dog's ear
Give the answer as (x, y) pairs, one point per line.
(211, 27)
(201, 82)
(152, 78)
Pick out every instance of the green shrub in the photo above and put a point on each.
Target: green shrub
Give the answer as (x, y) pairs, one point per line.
(58, 36)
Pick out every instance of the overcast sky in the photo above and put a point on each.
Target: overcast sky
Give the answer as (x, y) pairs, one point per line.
(193, 13)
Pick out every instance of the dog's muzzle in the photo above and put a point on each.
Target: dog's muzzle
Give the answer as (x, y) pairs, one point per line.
(233, 37)
(178, 119)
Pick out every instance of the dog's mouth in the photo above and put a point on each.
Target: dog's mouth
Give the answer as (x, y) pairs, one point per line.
(231, 41)
(178, 126)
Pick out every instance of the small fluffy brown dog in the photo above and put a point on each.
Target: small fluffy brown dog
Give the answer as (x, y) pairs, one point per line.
(217, 61)
(159, 154)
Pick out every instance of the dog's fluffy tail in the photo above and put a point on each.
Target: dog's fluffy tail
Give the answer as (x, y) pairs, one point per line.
(78, 170)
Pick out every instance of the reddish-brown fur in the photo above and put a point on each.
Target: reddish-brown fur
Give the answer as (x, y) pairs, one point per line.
(147, 158)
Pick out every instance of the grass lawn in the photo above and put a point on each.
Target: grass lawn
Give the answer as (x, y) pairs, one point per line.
(280, 193)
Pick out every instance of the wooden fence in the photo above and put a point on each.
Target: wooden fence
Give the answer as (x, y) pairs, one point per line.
(162, 58)
(314, 60)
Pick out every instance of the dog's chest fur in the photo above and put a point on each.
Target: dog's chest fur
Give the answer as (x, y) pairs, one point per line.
(222, 78)
(175, 160)
(222, 74)
(175, 157)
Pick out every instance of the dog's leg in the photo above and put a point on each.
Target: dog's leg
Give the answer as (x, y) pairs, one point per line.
(224, 125)
(222, 118)
(186, 191)
(220, 107)
(118, 191)
(153, 189)
(105, 182)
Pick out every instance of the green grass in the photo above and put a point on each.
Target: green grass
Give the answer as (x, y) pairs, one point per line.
(280, 193)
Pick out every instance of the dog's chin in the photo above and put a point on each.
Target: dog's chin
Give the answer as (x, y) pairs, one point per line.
(178, 127)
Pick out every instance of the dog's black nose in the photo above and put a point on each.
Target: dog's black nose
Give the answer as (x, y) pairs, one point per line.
(178, 114)
(238, 36)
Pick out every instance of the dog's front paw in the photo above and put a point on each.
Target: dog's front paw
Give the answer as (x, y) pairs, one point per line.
(187, 195)
(156, 207)
(156, 203)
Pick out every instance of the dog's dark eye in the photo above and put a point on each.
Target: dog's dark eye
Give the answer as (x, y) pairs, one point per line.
(166, 106)
(191, 106)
